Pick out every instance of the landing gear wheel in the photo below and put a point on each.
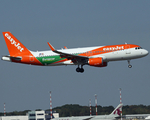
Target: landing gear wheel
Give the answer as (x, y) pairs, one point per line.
(78, 69)
(81, 70)
(130, 66)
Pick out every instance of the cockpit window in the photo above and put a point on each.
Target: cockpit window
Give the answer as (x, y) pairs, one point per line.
(138, 48)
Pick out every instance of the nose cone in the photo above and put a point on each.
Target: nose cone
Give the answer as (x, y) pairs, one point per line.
(145, 52)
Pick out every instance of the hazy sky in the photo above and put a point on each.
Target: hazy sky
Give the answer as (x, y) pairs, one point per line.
(74, 23)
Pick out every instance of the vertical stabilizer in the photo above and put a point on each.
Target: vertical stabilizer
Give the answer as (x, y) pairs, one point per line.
(117, 110)
(18, 52)
(15, 47)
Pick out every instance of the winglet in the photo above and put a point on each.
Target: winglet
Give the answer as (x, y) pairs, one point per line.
(65, 47)
(52, 48)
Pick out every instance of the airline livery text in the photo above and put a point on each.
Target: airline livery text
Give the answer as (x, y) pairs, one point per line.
(114, 48)
(14, 42)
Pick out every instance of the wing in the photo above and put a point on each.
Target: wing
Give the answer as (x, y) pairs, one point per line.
(75, 58)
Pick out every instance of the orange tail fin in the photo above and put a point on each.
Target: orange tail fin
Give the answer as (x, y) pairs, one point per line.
(15, 47)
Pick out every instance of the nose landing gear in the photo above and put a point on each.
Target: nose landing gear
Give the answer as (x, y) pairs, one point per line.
(78, 69)
(129, 65)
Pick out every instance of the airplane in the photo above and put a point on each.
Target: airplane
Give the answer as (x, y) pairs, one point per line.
(98, 56)
(147, 118)
(115, 114)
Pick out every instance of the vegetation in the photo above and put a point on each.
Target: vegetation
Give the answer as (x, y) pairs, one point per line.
(77, 110)
(15, 113)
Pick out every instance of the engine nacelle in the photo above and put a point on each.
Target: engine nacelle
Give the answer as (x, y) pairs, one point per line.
(97, 62)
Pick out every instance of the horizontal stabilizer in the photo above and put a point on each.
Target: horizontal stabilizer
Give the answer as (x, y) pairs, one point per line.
(9, 58)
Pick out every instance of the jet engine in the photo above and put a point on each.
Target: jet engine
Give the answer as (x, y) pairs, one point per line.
(97, 62)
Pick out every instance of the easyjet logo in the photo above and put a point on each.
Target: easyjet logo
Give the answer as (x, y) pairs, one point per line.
(13, 42)
(114, 48)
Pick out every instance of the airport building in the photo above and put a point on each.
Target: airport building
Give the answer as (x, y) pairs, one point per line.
(32, 115)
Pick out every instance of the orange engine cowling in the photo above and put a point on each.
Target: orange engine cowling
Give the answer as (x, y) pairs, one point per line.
(97, 62)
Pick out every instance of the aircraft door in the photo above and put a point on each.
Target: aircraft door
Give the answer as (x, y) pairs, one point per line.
(127, 47)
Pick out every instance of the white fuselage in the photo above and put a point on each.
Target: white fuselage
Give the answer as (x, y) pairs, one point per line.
(126, 54)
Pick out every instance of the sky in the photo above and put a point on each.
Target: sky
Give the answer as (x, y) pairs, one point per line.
(74, 23)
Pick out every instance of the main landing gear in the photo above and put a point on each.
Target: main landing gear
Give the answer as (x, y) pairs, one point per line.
(129, 65)
(78, 69)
